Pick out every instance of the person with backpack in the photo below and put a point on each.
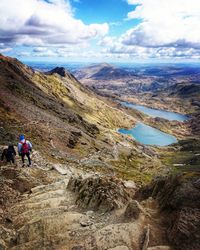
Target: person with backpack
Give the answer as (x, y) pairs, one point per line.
(9, 154)
(24, 149)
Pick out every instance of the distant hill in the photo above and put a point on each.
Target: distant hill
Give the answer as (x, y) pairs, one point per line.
(173, 79)
(103, 71)
(185, 90)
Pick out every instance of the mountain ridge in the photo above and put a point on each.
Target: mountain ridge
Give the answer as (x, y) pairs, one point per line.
(71, 120)
(85, 189)
(102, 71)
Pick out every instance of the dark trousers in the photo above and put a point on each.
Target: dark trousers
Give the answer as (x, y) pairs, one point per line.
(11, 160)
(28, 156)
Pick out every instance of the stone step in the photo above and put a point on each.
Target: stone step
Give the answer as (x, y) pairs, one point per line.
(27, 216)
(45, 196)
(50, 187)
(49, 226)
(48, 203)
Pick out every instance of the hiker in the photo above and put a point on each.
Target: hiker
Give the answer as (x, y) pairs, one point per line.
(24, 149)
(9, 154)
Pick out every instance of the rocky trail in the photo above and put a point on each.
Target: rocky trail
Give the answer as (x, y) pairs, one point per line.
(54, 206)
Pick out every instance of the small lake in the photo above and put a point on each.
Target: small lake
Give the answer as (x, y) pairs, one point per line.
(156, 112)
(148, 135)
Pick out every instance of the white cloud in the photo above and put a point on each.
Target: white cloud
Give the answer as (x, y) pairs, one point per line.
(36, 22)
(165, 23)
(139, 52)
(107, 41)
(39, 49)
(56, 51)
(167, 29)
(23, 54)
(4, 50)
(134, 2)
(46, 53)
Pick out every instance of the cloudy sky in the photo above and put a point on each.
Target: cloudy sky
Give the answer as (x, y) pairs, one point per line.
(100, 30)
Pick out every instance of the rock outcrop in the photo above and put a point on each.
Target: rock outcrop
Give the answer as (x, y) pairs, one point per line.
(104, 194)
(62, 72)
(179, 199)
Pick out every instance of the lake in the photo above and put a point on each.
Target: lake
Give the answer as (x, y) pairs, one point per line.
(156, 112)
(148, 135)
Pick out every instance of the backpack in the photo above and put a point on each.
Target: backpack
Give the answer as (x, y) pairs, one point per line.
(25, 148)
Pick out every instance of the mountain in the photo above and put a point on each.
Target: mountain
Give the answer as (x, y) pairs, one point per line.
(103, 71)
(64, 119)
(108, 80)
(189, 90)
(87, 186)
(62, 72)
(61, 108)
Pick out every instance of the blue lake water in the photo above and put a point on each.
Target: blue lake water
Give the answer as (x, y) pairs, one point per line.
(156, 112)
(148, 135)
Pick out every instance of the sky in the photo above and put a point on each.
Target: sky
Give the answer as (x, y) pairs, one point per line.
(100, 30)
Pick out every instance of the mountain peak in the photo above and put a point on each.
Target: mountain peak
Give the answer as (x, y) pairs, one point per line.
(60, 71)
(102, 71)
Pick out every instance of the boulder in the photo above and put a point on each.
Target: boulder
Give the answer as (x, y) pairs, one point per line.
(99, 193)
(132, 210)
(61, 169)
(130, 184)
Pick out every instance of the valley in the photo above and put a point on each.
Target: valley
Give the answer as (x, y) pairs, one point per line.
(91, 187)
(173, 88)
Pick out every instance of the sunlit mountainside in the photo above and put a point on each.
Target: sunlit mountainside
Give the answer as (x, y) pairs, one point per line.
(99, 125)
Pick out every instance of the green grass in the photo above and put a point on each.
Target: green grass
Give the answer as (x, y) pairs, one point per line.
(186, 154)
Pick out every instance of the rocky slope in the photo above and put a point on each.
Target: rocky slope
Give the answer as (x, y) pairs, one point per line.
(73, 124)
(178, 199)
(29, 97)
(74, 210)
(84, 190)
(57, 206)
